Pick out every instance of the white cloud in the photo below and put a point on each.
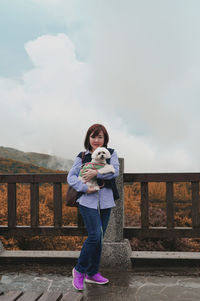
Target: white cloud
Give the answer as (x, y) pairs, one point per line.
(141, 76)
(50, 109)
(44, 107)
(134, 61)
(145, 66)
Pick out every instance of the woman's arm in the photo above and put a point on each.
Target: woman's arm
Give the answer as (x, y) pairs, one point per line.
(115, 162)
(72, 177)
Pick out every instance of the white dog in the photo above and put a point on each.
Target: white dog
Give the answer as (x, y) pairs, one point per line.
(99, 163)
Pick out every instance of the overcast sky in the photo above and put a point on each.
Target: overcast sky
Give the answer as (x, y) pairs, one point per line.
(133, 66)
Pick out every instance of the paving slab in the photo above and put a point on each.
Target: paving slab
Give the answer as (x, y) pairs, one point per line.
(137, 284)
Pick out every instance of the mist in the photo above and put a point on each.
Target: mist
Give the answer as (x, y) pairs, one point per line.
(132, 66)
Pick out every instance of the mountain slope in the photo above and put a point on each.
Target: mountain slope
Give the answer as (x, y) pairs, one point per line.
(42, 160)
(13, 166)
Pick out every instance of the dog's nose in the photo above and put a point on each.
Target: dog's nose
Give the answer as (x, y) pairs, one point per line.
(102, 156)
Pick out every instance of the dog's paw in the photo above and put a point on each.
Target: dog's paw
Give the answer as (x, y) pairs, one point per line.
(106, 169)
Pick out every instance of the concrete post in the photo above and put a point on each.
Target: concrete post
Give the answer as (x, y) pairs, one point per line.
(116, 250)
(1, 247)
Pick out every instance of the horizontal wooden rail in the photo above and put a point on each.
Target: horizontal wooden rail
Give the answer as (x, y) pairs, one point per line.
(33, 178)
(43, 231)
(161, 177)
(161, 232)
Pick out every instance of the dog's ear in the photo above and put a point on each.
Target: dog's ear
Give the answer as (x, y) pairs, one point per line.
(108, 155)
(94, 155)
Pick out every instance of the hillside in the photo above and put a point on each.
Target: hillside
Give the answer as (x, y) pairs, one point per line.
(38, 159)
(13, 166)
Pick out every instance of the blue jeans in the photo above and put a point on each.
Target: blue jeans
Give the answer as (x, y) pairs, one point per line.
(96, 225)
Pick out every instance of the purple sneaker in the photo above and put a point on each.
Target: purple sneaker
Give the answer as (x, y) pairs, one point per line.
(97, 278)
(78, 279)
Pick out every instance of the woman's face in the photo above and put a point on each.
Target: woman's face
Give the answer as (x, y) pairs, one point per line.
(97, 141)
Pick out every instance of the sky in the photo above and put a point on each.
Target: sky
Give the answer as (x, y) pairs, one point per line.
(133, 66)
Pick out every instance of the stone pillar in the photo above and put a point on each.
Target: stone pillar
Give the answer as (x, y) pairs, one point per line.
(1, 247)
(117, 250)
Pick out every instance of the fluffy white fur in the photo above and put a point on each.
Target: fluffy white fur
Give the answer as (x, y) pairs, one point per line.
(99, 157)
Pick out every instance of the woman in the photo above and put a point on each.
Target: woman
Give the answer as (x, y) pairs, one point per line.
(95, 207)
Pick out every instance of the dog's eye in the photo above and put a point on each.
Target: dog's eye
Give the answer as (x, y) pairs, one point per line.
(103, 153)
(99, 153)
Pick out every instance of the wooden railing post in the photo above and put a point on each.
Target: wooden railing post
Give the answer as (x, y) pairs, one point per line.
(195, 205)
(144, 205)
(34, 204)
(57, 194)
(170, 204)
(11, 205)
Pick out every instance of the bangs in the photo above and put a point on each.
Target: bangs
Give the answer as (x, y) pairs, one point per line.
(96, 133)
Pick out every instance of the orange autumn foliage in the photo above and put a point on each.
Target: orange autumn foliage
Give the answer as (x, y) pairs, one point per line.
(157, 213)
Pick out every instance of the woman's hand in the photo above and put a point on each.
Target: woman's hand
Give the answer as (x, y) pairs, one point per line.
(88, 174)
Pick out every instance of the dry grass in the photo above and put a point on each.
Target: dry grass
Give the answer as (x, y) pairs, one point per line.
(157, 213)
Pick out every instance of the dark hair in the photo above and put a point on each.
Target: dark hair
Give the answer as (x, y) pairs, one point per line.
(95, 129)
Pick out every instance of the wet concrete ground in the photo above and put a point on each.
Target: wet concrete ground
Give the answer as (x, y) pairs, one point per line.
(139, 284)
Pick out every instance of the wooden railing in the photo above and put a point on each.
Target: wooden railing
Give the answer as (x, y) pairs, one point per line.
(35, 229)
(145, 231)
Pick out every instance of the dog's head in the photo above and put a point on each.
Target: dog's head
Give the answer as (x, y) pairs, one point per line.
(101, 154)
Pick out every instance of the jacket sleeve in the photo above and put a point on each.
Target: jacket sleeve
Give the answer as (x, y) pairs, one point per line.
(115, 162)
(72, 177)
